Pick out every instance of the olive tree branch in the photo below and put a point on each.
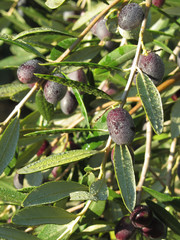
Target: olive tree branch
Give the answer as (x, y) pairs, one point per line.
(138, 51)
(87, 29)
(19, 106)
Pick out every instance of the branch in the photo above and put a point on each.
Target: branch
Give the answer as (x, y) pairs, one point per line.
(146, 161)
(138, 51)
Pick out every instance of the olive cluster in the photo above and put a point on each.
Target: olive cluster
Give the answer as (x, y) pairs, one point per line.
(141, 219)
(53, 91)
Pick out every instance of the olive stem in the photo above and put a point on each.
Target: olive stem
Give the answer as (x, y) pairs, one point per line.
(170, 164)
(86, 30)
(18, 107)
(146, 161)
(136, 58)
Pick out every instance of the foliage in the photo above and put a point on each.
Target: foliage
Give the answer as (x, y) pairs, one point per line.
(58, 178)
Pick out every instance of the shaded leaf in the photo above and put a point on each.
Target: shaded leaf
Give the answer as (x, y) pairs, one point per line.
(82, 106)
(9, 233)
(8, 143)
(42, 215)
(124, 173)
(151, 101)
(99, 190)
(56, 160)
(51, 192)
(165, 216)
(21, 44)
(175, 120)
(9, 89)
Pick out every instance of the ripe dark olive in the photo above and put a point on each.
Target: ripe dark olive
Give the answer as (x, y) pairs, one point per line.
(68, 103)
(120, 126)
(141, 216)
(158, 3)
(130, 16)
(25, 72)
(79, 76)
(155, 230)
(53, 91)
(124, 229)
(153, 66)
(100, 30)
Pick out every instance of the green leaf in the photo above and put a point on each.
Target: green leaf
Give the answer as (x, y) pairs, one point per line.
(37, 215)
(45, 108)
(21, 44)
(54, 3)
(9, 89)
(52, 231)
(175, 120)
(79, 85)
(118, 56)
(151, 101)
(9, 196)
(99, 190)
(165, 216)
(166, 199)
(89, 14)
(60, 130)
(53, 191)
(8, 143)
(81, 196)
(9, 233)
(161, 197)
(82, 106)
(56, 160)
(39, 30)
(163, 46)
(124, 173)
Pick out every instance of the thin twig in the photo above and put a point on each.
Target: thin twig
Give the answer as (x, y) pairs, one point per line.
(170, 163)
(146, 161)
(19, 106)
(86, 30)
(138, 51)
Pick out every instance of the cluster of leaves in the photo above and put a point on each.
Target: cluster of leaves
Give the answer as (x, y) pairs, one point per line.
(75, 171)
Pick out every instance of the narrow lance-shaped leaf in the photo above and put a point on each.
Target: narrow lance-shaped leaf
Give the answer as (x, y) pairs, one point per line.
(80, 86)
(7, 232)
(37, 215)
(124, 173)
(82, 106)
(53, 191)
(60, 130)
(165, 216)
(21, 44)
(45, 108)
(151, 101)
(39, 30)
(175, 120)
(56, 160)
(8, 143)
